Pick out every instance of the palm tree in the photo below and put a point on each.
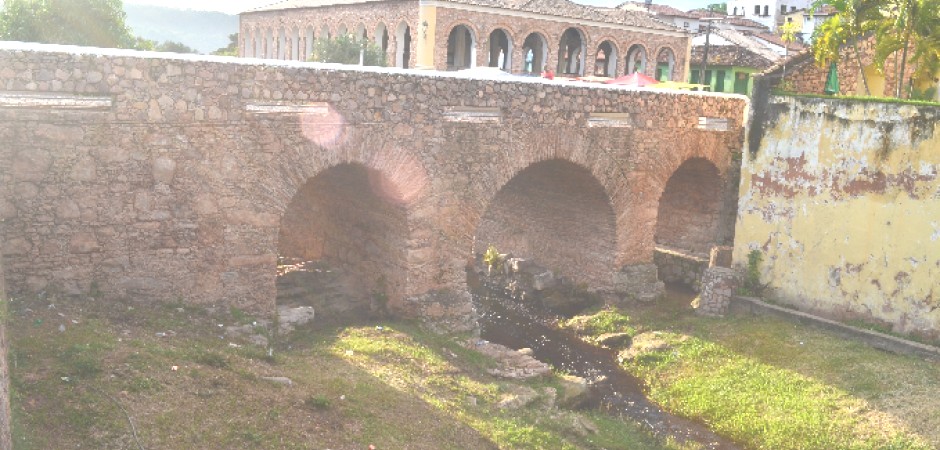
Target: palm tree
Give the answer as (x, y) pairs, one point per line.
(851, 22)
(911, 25)
(787, 34)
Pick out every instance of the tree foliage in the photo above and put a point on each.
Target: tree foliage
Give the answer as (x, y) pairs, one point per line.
(97, 23)
(718, 8)
(165, 46)
(347, 50)
(231, 49)
(906, 30)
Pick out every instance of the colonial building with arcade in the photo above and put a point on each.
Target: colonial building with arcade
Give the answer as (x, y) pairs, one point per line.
(517, 36)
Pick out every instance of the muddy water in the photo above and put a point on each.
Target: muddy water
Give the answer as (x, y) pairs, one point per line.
(508, 322)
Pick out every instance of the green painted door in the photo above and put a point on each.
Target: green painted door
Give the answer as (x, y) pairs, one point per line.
(740, 83)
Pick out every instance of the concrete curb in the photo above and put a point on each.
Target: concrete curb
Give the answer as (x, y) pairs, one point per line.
(873, 338)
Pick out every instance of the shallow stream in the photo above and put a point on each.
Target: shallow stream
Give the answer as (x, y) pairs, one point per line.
(509, 322)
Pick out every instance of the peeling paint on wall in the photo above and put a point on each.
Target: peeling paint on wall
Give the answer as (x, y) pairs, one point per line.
(843, 198)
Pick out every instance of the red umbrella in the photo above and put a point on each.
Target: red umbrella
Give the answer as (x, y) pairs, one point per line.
(636, 79)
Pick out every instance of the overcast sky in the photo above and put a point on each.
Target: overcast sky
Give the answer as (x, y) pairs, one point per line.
(237, 6)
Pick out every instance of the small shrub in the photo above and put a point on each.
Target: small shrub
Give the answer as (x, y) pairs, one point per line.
(752, 285)
(317, 402)
(492, 259)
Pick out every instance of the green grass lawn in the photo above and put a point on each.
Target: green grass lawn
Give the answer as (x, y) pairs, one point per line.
(390, 385)
(771, 384)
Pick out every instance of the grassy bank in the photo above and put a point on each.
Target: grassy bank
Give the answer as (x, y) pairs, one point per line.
(94, 375)
(772, 384)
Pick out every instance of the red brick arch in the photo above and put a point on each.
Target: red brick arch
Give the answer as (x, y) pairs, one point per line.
(626, 54)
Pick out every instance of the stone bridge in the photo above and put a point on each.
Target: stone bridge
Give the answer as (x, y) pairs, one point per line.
(172, 178)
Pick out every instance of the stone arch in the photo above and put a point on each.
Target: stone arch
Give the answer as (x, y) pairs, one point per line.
(309, 39)
(461, 47)
(269, 37)
(665, 64)
(605, 59)
(534, 53)
(341, 30)
(325, 32)
(281, 44)
(361, 32)
(349, 207)
(381, 37)
(636, 60)
(556, 213)
(403, 43)
(689, 211)
(500, 50)
(572, 49)
(295, 44)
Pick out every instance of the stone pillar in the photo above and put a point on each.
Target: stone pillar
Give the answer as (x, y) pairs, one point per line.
(6, 441)
(517, 61)
(720, 256)
(444, 310)
(639, 282)
(718, 286)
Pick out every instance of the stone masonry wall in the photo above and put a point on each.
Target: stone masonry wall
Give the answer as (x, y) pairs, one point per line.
(680, 268)
(806, 76)
(842, 198)
(165, 177)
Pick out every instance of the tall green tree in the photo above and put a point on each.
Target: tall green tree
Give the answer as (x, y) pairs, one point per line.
(853, 20)
(347, 50)
(97, 23)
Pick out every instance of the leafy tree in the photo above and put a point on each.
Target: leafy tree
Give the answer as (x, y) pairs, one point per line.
(231, 49)
(718, 8)
(98, 23)
(852, 21)
(347, 50)
(909, 25)
(787, 34)
(174, 47)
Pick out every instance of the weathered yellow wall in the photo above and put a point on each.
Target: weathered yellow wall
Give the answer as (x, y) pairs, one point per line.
(843, 199)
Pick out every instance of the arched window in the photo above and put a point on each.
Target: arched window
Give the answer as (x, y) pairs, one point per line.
(605, 60)
(636, 59)
(534, 54)
(295, 53)
(461, 48)
(571, 53)
(308, 42)
(500, 50)
(403, 45)
(665, 64)
(381, 37)
(361, 33)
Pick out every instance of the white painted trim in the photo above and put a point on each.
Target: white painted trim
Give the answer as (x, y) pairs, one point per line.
(53, 100)
(560, 19)
(320, 109)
